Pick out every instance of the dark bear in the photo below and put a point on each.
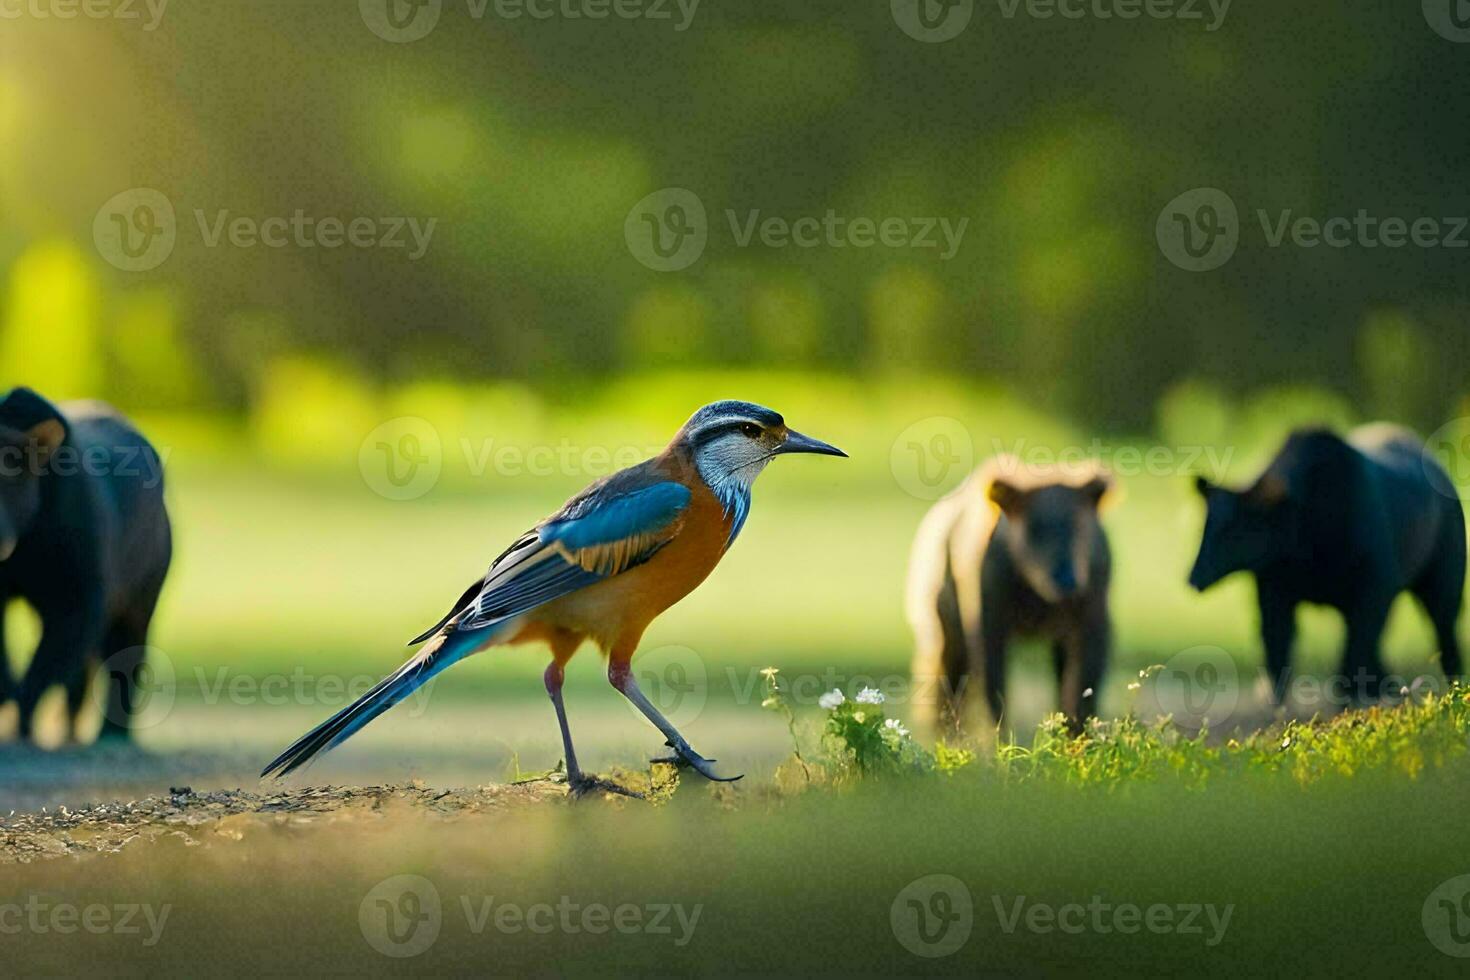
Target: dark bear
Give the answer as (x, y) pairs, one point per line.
(1347, 523)
(85, 540)
(1016, 550)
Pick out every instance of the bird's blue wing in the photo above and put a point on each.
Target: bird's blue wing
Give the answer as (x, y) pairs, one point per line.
(611, 527)
(598, 535)
(609, 536)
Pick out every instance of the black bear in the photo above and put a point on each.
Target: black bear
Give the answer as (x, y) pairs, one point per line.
(1347, 523)
(1016, 550)
(85, 540)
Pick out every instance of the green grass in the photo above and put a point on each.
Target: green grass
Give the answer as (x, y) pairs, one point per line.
(1409, 738)
(859, 740)
(1332, 875)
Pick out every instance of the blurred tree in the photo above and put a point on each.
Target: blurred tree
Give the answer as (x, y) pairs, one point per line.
(786, 320)
(50, 337)
(310, 410)
(1193, 413)
(666, 325)
(153, 369)
(528, 146)
(1393, 359)
(905, 305)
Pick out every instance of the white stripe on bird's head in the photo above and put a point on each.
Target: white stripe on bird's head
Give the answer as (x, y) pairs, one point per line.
(731, 442)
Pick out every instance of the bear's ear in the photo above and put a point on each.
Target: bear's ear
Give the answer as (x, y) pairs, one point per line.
(1271, 489)
(1006, 495)
(48, 434)
(40, 421)
(1095, 489)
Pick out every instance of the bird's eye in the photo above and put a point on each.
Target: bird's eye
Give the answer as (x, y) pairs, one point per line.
(750, 430)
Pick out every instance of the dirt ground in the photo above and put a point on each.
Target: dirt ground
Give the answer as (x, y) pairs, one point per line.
(228, 815)
(197, 783)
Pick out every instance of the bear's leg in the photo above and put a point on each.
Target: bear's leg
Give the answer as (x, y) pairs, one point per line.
(1061, 651)
(1449, 645)
(27, 696)
(1441, 590)
(954, 664)
(1362, 667)
(1278, 632)
(994, 634)
(7, 680)
(70, 633)
(951, 684)
(125, 650)
(1081, 656)
(76, 697)
(1066, 655)
(1097, 644)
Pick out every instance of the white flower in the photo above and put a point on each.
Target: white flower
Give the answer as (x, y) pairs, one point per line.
(893, 724)
(830, 700)
(869, 695)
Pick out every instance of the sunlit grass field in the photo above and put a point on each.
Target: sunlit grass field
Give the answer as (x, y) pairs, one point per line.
(292, 566)
(297, 580)
(815, 885)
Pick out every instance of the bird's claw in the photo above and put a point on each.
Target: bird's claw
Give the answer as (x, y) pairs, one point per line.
(685, 756)
(579, 786)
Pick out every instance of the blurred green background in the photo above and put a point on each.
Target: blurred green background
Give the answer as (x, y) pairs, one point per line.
(353, 432)
(527, 325)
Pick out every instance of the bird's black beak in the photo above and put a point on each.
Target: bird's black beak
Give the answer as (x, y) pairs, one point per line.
(798, 443)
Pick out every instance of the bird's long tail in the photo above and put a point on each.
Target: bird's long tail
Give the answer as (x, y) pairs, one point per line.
(440, 653)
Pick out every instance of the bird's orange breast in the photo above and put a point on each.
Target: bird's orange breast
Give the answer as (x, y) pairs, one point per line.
(616, 611)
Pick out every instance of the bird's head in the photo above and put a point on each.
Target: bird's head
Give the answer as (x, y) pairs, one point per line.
(733, 441)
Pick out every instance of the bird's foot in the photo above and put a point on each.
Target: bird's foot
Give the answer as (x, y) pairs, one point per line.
(580, 786)
(686, 756)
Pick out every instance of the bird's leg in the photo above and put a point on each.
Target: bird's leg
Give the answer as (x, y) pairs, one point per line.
(576, 781)
(553, 677)
(621, 675)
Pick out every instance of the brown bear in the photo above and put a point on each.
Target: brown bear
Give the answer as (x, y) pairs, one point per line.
(1015, 550)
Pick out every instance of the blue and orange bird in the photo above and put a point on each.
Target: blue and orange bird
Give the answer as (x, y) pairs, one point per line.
(601, 568)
